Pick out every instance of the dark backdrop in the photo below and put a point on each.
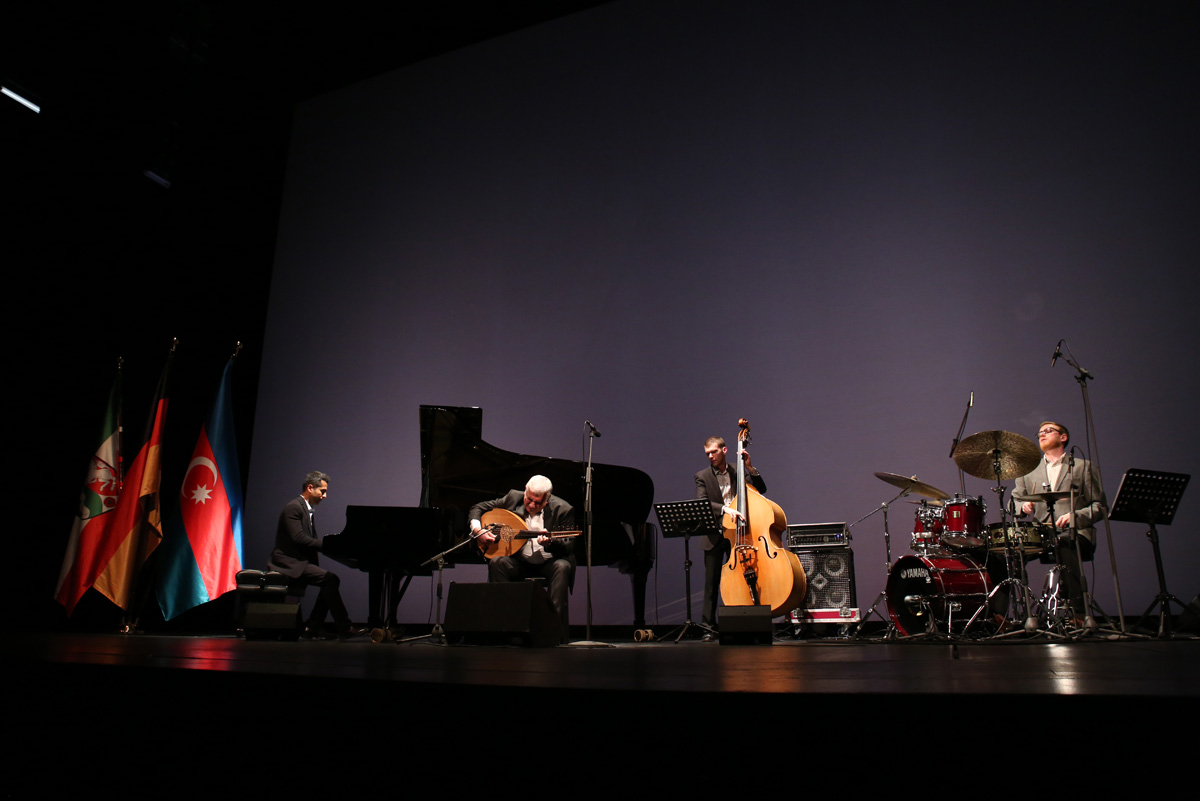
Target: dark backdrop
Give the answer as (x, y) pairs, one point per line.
(835, 220)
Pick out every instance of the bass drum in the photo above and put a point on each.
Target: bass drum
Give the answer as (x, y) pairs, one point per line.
(944, 590)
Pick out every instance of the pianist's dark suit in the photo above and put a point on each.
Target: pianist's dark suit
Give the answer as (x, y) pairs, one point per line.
(295, 555)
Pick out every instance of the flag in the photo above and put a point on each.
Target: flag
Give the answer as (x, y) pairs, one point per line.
(97, 501)
(202, 549)
(136, 528)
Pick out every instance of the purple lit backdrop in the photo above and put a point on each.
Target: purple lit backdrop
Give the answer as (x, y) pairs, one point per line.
(835, 221)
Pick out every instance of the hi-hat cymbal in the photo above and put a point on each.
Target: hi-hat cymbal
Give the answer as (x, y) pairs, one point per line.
(977, 453)
(1048, 498)
(910, 484)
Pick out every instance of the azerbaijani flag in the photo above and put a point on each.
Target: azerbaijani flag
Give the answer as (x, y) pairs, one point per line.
(202, 550)
(97, 501)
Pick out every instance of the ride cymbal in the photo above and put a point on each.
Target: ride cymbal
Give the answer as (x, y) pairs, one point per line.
(977, 454)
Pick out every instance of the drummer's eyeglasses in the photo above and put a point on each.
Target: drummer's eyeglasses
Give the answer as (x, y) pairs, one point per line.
(1050, 431)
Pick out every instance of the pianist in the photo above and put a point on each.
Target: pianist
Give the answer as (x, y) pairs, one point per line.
(295, 555)
(540, 557)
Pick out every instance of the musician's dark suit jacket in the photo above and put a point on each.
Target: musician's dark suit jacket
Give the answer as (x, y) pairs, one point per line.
(707, 488)
(557, 516)
(296, 541)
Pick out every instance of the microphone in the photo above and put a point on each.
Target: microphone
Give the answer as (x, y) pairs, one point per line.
(595, 432)
(1057, 352)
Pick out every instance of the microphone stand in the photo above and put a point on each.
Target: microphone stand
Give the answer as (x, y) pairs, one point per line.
(587, 641)
(437, 634)
(1082, 376)
(962, 484)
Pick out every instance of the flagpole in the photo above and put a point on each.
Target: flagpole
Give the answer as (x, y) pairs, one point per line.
(97, 500)
(201, 550)
(120, 429)
(137, 597)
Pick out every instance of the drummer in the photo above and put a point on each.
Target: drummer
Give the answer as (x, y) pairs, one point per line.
(1057, 472)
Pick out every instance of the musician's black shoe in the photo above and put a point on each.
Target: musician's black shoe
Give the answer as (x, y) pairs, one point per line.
(317, 633)
(352, 631)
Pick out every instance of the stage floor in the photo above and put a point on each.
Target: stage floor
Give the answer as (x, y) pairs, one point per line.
(1095, 666)
(190, 700)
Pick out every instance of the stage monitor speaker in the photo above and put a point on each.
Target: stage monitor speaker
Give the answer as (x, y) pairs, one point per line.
(831, 596)
(271, 621)
(746, 625)
(501, 614)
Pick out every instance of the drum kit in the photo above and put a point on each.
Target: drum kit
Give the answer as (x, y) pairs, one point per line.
(944, 587)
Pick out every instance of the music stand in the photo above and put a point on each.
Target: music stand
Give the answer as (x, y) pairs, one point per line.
(1151, 497)
(685, 519)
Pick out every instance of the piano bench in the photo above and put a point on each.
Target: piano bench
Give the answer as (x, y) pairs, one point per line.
(265, 607)
(262, 585)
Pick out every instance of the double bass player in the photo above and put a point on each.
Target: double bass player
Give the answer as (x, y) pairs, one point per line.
(717, 484)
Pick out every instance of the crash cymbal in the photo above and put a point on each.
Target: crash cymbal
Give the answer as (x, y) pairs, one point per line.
(910, 484)
(933, 502)
(1018, 455)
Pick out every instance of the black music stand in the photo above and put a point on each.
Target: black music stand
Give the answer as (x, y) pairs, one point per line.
(1151, 497)
(685, 519)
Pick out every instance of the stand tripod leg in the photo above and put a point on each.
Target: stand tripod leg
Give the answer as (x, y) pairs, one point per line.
(891, 629)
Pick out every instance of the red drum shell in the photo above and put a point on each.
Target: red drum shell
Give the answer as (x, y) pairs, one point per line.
(946, 582)
(963, 522)
(927, 528)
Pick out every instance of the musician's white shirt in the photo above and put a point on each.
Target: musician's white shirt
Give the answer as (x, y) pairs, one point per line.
(533, 552)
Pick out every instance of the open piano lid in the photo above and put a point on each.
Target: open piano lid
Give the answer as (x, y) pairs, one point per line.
(459, 469)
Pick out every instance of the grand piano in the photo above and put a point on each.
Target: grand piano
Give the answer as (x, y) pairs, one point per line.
(460, 469)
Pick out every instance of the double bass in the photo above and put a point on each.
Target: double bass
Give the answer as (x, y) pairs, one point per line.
(759, 571)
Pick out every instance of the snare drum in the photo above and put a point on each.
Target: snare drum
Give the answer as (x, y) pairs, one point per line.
(1025, 537)
(964, 522)
(927, 528)
(946, 589)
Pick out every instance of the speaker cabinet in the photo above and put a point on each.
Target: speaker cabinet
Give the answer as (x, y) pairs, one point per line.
(271, 621)
(517, 612)
(831, 596)
(746, 625)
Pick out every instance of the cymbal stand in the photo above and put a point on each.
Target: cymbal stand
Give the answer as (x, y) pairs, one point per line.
(887, 567)
(1089, 622)
(1014, 562)
(1059, 618)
